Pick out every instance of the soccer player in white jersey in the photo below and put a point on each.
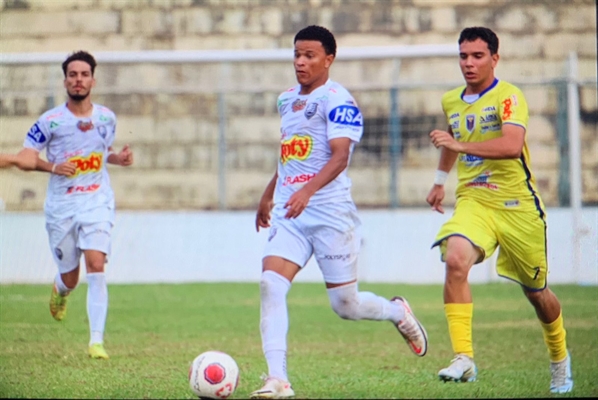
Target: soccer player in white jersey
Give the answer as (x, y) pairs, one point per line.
(79, 205)
(23, 160)
(313, 212)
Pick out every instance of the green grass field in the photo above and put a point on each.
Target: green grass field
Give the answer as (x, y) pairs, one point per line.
(155, 331)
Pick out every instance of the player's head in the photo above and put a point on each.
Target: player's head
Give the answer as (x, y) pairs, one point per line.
(315, 49)
(78, 70)
(478, 53)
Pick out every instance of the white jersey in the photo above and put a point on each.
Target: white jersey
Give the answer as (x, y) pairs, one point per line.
(308, 123)
(83, 141)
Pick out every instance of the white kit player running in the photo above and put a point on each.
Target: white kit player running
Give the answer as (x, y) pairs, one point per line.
(313, 212)
(79, 205)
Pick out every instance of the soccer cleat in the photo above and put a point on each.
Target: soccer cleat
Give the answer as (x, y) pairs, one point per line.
(462, 369)
(562, 378)
(96, 351)
(273, 388)
(412, 331)
(57, 304)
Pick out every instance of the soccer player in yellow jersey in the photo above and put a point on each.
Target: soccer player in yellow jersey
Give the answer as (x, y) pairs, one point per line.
(497, 204)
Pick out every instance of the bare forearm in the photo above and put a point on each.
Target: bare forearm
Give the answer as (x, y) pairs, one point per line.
(447, 159)
(328, 173)
(494, 149)
(6, 160)
(44, 166)
(269, 191)
(113, 159)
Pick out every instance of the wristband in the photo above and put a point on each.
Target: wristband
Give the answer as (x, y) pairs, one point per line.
(440, 177)
(53, 167)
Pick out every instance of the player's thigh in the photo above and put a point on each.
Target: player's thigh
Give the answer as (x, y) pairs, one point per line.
(336, 237)
(471, 221)
(286, 240)
(63, 237)
(522, 256)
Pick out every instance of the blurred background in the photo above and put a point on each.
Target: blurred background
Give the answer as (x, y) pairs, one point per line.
(194, 85)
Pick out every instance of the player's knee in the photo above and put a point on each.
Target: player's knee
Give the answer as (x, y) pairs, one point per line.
(344, 303)
(457, 266)
(535, 296)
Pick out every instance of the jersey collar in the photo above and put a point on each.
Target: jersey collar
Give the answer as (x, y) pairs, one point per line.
(489, 88)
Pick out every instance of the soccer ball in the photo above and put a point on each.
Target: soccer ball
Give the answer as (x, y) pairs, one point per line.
(213, 375)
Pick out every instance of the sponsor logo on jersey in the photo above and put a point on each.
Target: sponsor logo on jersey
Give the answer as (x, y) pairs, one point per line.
(86, 165)
(488, 109)
(84, 126)
(346, 115)
(507, 112)
(36, 134)
(282, 105)
(296, 148)
(471, 161)
(470, 122)
(512, 203)
(104, 118)
(488, 118)
(54, 124)
(302, 178)
(455, 115)
(491, 128)
(311, 110)
(455, 125)
(52, 116)
(83, 189)
(482, 181)
(298, 105)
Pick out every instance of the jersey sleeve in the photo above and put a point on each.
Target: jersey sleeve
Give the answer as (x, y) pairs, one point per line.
(38, 136)
(513, 107)
(343, 117)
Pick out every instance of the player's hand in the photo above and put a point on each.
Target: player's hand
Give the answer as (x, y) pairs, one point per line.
(26, 160)
(435, 198)
(65, 169)
(125, 157)
(262, 217)
(297, 203)
(446, 140)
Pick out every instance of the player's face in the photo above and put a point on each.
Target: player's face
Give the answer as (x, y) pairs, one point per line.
(311, 63)
(79, 80)
(477, 64)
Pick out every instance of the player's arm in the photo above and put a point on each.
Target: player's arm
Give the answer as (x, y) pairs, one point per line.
(262, 218)
(339, 159)
(124, 158)
(445, 164)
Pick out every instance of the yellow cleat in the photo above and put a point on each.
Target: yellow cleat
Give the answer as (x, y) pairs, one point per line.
(96, 351)
(57, 305)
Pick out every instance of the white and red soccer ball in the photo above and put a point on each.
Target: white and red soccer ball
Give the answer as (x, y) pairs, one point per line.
(213, 375)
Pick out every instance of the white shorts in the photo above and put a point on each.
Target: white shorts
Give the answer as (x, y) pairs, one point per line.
(86, 231)
(331, 232)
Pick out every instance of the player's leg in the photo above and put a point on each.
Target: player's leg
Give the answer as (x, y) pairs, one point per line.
(63, 244)
(523, 258)
(466, 239)
(286, 252)
(94, 239)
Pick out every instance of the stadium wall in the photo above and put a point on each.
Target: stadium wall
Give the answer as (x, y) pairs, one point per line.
(178, 247)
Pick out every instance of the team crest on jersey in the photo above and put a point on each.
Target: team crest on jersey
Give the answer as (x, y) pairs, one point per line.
(102, 131)
(311, 110)
(298, 105)
(84, 126)
(58, 253)
(470, 122)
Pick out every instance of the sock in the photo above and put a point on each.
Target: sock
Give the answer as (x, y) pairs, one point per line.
(459, 318)
(274, 322)
(348, 303)
(62, 289)
(554, 337)
(97, 305)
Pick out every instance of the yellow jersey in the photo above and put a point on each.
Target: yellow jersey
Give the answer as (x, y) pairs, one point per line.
(502, 184)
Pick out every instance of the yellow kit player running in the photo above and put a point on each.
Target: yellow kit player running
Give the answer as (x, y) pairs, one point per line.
(497, 204)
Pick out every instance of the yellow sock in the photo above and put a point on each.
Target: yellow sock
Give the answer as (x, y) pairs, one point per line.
(459, 318)
(554, 337)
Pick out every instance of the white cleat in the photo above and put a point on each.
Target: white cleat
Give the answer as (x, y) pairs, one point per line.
(562, 378)
(412, 331)
(273, 388)
(462, 369)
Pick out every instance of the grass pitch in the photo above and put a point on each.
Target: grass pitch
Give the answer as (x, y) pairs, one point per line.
(154, 332)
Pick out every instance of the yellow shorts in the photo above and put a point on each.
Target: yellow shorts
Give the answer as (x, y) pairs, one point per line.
(520, 234)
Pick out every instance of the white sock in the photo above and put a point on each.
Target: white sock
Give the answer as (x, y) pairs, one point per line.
(60, 286)
(97, 305)
(348, 303)
(274, 322)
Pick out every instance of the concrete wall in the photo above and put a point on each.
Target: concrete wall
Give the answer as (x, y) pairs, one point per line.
(169, 113)
(152, 247)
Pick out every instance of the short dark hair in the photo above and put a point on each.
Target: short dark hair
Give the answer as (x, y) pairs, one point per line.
(479, 32)
(319, 33)
(80, 56)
